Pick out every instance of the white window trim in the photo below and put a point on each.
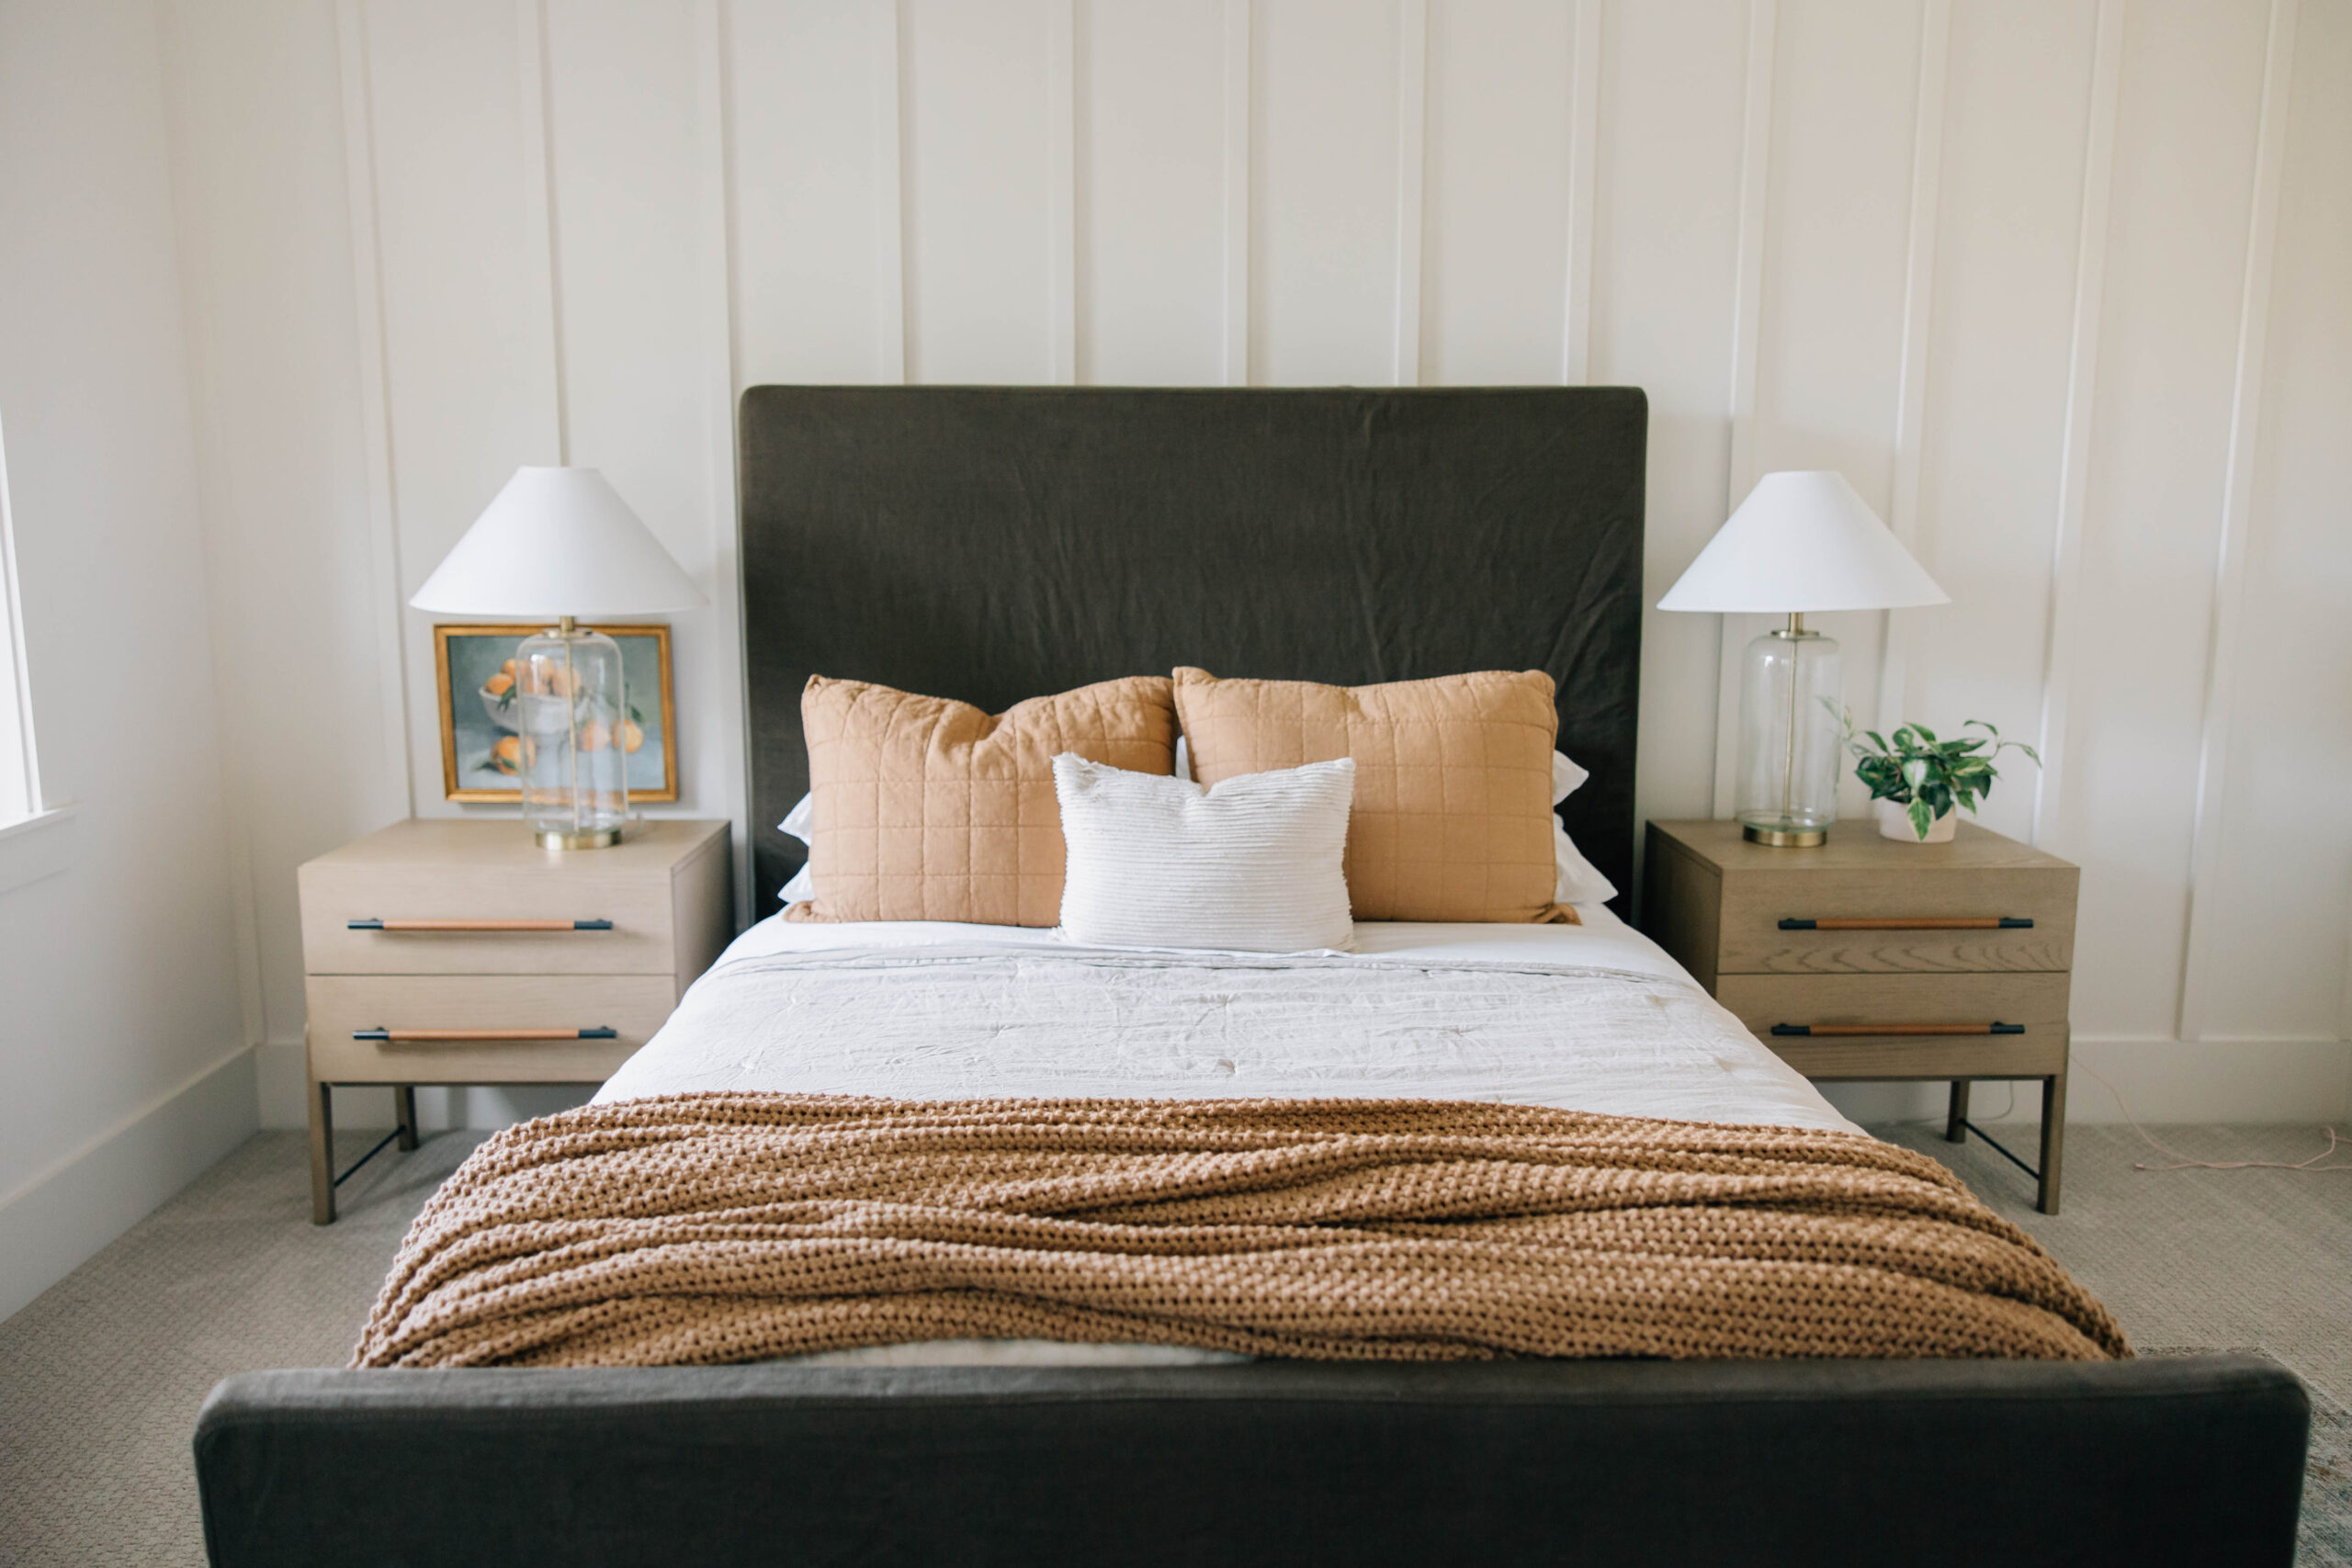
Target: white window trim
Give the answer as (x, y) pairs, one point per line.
(34, 847)
(33, 842)
(20, 800)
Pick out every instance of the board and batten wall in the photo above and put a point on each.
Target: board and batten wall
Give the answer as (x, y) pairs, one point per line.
(2060, 285)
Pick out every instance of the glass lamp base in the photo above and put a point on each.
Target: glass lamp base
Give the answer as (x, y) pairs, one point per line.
(1785, 790)
(596, 838)
(1791, 836)
(575, 722)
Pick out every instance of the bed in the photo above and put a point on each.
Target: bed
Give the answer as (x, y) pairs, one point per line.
(991, 544)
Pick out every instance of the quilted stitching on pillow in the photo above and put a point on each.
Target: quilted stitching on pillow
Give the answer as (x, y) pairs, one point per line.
(929, 809)
(1452, 816)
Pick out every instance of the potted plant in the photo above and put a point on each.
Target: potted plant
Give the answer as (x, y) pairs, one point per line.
(1917, 780)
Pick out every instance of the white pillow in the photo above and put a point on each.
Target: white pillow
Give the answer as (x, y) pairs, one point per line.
(1580, 882)
(797, 822)
(1252, 865)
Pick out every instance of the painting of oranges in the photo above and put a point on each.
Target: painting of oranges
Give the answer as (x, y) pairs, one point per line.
(484, 747)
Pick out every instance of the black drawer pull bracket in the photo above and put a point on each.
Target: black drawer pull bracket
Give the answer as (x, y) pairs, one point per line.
(1809, 1031)
(1923, 923)
(378, 925)
(598, 1032)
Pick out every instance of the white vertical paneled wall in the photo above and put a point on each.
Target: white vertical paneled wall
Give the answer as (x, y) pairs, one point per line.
(811, 115)
(1499, 143)
(976, 131)
(1149, 191)
(2292, 682)
(2059, 284)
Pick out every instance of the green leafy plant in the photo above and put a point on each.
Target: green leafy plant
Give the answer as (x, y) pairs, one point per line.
(1924, 774)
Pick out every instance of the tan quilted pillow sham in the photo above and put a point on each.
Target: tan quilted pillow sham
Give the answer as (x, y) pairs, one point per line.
(927, 809)
(1453, 818)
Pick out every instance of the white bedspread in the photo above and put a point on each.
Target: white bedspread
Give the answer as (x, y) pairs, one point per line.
(1587, 1018)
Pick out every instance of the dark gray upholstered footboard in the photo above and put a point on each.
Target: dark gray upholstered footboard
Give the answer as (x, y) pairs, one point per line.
(2141, 1463)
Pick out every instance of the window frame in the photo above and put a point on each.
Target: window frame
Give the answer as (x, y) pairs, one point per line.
(21, 797)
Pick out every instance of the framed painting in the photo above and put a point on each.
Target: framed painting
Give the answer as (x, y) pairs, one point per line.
(481, 747)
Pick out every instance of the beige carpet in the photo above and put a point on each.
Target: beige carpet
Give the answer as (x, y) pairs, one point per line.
(2226, 1258)
(100, 1377)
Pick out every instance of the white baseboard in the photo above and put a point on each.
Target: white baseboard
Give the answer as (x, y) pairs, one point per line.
(55, 1221)
(2211, 1081)
(2158, 1080)
(283, 1088)
(280, 1084)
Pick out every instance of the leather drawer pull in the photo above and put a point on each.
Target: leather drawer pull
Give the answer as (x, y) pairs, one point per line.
(479, 925)
(1816, 1031)
(1913, 923)
(435, 1036)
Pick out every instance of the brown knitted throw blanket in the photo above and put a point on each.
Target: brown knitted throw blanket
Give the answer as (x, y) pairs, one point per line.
(706, 1228)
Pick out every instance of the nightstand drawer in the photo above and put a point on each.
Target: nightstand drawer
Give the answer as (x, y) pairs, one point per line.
(1894, 1026)
(343, 1007)
(1861, 924)
(1844, 1001)
(439, 920)
(2040, 1052)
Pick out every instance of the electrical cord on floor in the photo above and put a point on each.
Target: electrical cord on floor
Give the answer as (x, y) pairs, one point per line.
(2184, 1163)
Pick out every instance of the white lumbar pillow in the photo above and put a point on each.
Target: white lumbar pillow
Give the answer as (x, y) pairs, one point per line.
(1252, 865)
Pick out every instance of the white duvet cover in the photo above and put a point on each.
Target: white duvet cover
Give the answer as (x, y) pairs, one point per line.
(1593, 1016)
(1577, 1016)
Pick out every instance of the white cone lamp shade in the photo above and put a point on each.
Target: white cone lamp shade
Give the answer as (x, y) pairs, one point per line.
(560, 544)
(1802, 542)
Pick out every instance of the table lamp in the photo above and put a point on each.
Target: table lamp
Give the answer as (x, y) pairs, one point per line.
(560, 544)
(1802, 542)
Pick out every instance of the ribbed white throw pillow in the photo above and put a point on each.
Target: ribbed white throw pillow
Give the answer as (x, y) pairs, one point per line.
(1250, 866)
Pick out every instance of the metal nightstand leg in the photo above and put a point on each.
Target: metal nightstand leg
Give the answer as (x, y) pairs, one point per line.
(321, 1153)
(2054, 1139)
(324, 1177)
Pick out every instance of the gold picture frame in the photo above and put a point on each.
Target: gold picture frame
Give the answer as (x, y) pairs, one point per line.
(467, 744)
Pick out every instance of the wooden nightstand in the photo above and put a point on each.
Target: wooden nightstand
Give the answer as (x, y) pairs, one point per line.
(460, 952)
(1865, 958)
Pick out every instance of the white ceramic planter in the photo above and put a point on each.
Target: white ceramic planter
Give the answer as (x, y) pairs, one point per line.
(1894, 822)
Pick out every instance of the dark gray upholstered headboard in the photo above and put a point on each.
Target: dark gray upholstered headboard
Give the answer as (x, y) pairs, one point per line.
(997, 543)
